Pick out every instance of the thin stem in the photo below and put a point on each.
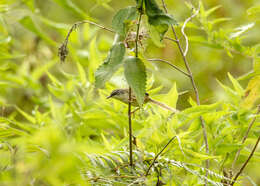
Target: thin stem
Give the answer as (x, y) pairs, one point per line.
(130, 127)
(155, 158)
(246, 162)
(138, 29)
(245, 136)
(194, 88)
(63, 49)
(130, 91)
(168, 38)
(172, 65)
(100, 26)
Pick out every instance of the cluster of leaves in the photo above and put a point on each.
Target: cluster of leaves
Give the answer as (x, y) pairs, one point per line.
(56, 128)
(135, 72)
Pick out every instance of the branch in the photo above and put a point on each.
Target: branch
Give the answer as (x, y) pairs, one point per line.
(183, 33)
(155, 158)
(245, 164)
(194, 88)
(63, 49)
(130, 91)
(172, 65)
(168, 38)
(245, 136)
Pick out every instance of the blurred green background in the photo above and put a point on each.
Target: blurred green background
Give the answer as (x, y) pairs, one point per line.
(52, 20)
(37, 91)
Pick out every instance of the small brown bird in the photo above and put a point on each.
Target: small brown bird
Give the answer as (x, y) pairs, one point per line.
(123, 95)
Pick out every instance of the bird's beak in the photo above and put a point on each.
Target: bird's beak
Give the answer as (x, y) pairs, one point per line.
(109, 97)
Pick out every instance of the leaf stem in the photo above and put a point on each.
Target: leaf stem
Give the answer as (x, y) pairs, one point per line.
(130, 91)
(138, 29)
(130, 128)
(172, 65)
(194, 88)
(155, 158)
(63, 49)
(246, 162)
(245, 136)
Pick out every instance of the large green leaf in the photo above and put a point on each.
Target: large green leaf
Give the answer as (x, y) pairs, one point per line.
(135, 75)
(121, 18)
(110, 65)
(155, 15)
(159, 20)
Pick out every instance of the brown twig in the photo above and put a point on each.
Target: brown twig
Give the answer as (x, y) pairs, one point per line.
(245, 136)
(130, 91)
(63, 49)
(246, 162)
(155, 158)
(168, 38)
(194, 88)
(130, 128)
(172, 65)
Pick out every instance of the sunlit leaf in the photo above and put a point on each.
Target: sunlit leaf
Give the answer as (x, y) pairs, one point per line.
(122, 17)
(252, 93)
(110, 65)
(236, 85)
(135, 75)
(241, 30)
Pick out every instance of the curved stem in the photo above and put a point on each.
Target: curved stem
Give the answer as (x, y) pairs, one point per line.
(246, 162)
(172, 65)
(245, 136)
(194, 88)
(155, 158)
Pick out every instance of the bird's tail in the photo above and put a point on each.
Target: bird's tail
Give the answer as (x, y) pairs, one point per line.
(163, 105)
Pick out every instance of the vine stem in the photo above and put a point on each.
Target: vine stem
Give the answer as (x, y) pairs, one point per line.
(155, 158)
(245, 136)
(246, 162)
(194, 88)
(172, 65)
(130, 128)
(63, 49)
(130, 90)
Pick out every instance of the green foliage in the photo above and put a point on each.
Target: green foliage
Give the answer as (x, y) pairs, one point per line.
(135, 75)
(57, 128)
(113, 61)
(122, 17)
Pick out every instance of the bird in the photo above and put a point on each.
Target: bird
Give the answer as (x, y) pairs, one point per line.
(123, 96)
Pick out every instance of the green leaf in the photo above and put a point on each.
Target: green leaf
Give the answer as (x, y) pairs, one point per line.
(157, 33)
(82, 74)
(252, 93)
(156, 16)
(138, 3)
(240, 30)
(110, 65)
(27, 116)
(257, 65)
(28, 23)
(158, 19)
(135, 75)
(210, 11)
(202, 108)
(69, 5)
(30, 4)
(253, 10)
(236, 85)
(121, 18)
